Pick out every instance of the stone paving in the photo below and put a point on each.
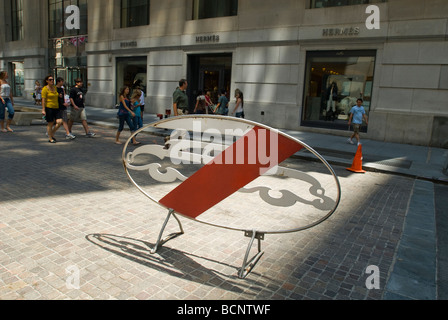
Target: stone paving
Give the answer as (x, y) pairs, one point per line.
(69, 207)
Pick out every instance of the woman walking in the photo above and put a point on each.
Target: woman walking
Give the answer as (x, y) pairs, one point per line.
(124, 115)
(50, 106)
(6, 101)
(238, 111)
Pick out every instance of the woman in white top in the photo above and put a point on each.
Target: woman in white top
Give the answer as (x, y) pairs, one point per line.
(6, 101)
(201, 104)
(238, 111)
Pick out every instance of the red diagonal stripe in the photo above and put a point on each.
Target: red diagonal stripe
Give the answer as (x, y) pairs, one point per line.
(223, 177)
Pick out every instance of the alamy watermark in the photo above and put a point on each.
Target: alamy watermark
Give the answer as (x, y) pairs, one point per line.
(73, 281)
(255, 147)
(373, 280)
(373, 21)
(74, 19)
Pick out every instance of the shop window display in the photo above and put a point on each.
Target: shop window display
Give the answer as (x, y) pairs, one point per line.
(334, 81)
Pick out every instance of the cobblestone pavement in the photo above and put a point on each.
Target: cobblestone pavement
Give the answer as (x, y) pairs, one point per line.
(70, 206)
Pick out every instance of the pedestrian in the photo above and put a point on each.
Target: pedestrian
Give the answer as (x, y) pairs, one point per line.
(78, 112)
(6, 101)
(180, 104)
(238, 111)
(50, 106)
(357, 114)
(142, 103)
(138, 86)
(63, 114)
(37, 93)
(208, 101)
(215, 95)
(222, 108)
(136, 108)
(201, 105)
(180, 99)
(124, 115)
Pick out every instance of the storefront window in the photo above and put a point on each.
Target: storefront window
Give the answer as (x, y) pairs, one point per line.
(134, 13)
(334, 81)
(204, 9)
(68, 52)
(67, 47)
(338, 3)
(68, 58)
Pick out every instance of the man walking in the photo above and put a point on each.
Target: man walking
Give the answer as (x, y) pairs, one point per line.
(63, 118)
(357, 114)
(78, 112)
(222, 108)
(180, 105)
(180, 99)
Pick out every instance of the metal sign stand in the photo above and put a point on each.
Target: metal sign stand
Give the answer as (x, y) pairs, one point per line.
(160, 242)
(249, 265)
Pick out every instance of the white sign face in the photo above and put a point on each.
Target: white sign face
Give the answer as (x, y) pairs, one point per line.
(210, 165)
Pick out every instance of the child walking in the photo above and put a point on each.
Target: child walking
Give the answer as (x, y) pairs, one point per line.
(136, 107)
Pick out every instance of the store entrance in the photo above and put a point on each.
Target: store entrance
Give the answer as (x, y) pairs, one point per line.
(131, 72)
(208, 72)
(17, 78)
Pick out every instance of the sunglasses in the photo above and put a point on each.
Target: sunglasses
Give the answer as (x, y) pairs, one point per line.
(50, 79)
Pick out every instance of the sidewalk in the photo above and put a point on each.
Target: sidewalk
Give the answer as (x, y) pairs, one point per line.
(414, 266)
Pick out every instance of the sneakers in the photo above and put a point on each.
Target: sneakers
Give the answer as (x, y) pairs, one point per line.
(351, 142)
(70, 137)
(90, 135)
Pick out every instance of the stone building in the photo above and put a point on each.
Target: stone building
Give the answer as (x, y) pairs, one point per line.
(284, 55)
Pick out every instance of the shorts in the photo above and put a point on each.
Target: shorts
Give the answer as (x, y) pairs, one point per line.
(78, 115)
(51, 115)
(182, 112)
(356, 128)
(63, 114)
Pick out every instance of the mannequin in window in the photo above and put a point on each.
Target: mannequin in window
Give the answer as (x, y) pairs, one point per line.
(332, 96)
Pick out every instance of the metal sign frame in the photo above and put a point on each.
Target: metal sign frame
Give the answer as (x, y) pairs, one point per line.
(259, 235)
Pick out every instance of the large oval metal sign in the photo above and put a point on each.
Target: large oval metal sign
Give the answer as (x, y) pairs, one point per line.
(232, 173)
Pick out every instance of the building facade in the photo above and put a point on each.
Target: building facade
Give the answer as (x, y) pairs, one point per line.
(301, 64)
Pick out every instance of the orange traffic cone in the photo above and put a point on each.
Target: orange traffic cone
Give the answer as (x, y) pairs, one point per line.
(357, 162)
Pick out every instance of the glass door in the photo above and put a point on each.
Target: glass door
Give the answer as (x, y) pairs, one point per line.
(17, 79)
